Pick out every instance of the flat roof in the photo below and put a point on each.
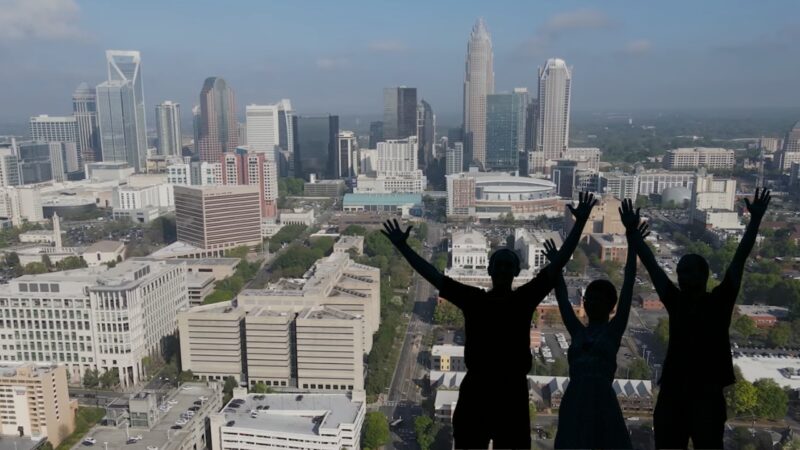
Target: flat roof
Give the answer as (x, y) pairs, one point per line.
(447, 349)
(14, 442)
(105, 246)
(211, 261)
(381, 199)
(761, 367)
(158, 435)
(294, 413)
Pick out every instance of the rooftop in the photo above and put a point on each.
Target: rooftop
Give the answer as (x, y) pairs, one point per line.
(447, 349)
(759, 310)
(105, 246)
(24, 369)
(294, 413)
(381, 199)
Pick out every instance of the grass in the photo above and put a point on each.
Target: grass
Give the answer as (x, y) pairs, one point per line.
(85, 418)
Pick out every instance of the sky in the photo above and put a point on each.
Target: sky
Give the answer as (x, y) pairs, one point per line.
(336, 56)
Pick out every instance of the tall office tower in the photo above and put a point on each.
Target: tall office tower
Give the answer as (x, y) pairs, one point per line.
(269, 127)
(242, 133)
(34, 162)
(58, 159)
(218, 130)
(502, 112)
(315, 146)
(455, 159)
(426, 133)
(347, 155)
(478, 83)
(195, 129)
(375, 133)
(218, 217)
(168, 127)
(531, 120)
(790, 152)
(399, 112)
(126, 66)
(397, 157)
(552, 131)
(54, 129)
(116, 110)
(521, 103)
(9, 168)
(84, 108)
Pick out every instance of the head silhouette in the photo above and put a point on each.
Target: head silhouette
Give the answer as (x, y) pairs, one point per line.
(503, 267)
(692, 273)
(599, 300)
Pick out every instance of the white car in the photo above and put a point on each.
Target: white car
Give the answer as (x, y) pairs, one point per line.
(172, 402)
(152, 447)
(138, 437)
(90, 440)
(181, 422)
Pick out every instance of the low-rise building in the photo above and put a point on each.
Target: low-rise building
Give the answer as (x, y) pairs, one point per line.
(448, 358)
(298, 216)
(290, 421)
(37, 237)
(764, 316)
(530, 245)
(609, 247)
(324, 188)
(103, 252)
(404, 204)
(345, 243)
(634, 396)
(444, 405)
(36, 402)
(469, 250)
(651, 302)
(200, 285)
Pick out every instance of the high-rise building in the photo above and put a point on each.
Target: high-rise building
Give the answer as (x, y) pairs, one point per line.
(63, 159)
(54, 129)
(399, 112)
(692, 158)
(41, 405)
(347, 155)
(552, 130)
(426, 134)
(126, 66)
(168, 127)
(521, 102)
(116, 111)
(502, 112)
(217, 127)
(35, 165)
(195, 129)
(531, 121)
(9, 167)
(269, 127)
(455, 159)
(84, 108)
(478, 83)
(375, 133)
(316, 146)
(256, 169)
(218, 217)
(791, 148)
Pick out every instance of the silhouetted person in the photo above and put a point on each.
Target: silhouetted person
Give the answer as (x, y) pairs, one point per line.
(589, 415)
(698, 364)
(493, 397)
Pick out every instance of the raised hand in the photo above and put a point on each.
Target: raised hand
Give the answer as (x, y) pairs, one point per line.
(759, 205)
(395, 234)
(644, 229)
(586, 202)
(550, 251)
(630, 217)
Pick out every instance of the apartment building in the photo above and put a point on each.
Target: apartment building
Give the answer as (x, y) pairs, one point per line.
(448, 358)
(34, 402)
(693, 158)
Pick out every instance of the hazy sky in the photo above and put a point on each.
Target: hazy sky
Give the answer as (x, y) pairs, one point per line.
(336, 56)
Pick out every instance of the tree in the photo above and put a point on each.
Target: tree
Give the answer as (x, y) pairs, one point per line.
(421, 229)
(744, 326)
(662, 331)
(448, 314)
(109, 378)
(228, 387)
(532, 411)
(261, 388)
(578, 262)
(773, 403)
(742, 398)
(425, 430)
(71, 262)
(779, 334)
(354, 230)
(46, 261)
(639, 370)
(12, 259)
(34, 268)
(560, 368)
(376, 430)
(170, 371)
(185, 376)
(91, 379)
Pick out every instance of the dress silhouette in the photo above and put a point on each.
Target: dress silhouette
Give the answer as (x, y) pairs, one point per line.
(698, 365)
(493, 397)
(589, 415)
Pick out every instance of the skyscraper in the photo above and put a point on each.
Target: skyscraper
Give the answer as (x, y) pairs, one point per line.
(195, 129)
(454, 159)
(269, 127)
(127, 66)
(116, 110)
(521, 105)
(316, 145)
(54, 128)
(531, 122)
(217, 130)
(478, 83)
(552, 131)
(347, 155)
(375, 133)
(502, 112)
(84, 108)
(168, 127)
(426, 133)
(399, 112)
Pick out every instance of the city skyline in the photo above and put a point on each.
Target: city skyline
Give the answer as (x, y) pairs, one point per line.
(620, 54)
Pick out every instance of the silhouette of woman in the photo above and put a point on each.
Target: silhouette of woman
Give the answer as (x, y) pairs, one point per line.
(589, 415)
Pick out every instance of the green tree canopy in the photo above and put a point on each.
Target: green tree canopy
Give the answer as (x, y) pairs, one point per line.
(71, 262)
(662, 331)
(744, 326)
(355, 230)
(91, 379)
(376, 429)
(425, 430)
(34, 268)
(773, 402)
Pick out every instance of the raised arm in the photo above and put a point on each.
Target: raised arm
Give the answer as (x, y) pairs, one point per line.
(562, 295)
(586, 202)
(399, 239)
(733, 276)
(620, 320)
(631, 219)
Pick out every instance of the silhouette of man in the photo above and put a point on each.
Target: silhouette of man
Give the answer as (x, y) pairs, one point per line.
(698, 364)
(493, 397)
